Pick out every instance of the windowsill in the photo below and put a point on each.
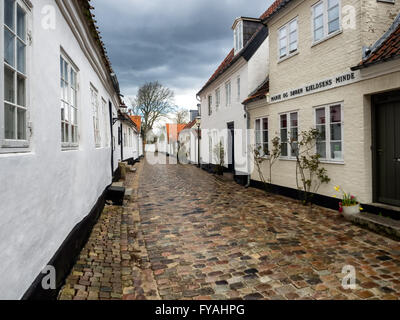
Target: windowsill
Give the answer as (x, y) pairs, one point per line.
(14, 152)
(287, 158)
(334, 34)
(339, 162)
(69, 147)
(288, 56)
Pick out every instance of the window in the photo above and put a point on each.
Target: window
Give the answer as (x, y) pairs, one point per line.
(96, 120)
(228, 91)
(238, 89)
(326, 19)
(69, 104)
(288, 38)
(209, 105)
(289, 129)
(261, 132)
(106, 123)
(238, 37)
(329, 123)
(15, 101)
(217, 98)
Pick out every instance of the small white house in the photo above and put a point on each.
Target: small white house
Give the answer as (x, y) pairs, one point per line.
(59, 124)
(189, 143)
(223, 118)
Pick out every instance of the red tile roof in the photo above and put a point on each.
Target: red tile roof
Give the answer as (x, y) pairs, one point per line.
(138, 121)
(229, 58)
(259, 94)
(272, 9)
(173, 131)
(387, 50)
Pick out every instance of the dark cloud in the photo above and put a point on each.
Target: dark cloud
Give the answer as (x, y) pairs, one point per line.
(178, 42)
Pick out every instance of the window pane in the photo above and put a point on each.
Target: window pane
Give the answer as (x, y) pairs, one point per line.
(9, 121)
(293, 119)
(284, 137)
(321, 149)
(258, 125)
(283, 121)
(320, 116)
(293, 46)
(62, 111)
(21, 101)
(322, 132)
(282, 52)
(294, 134)
(333, 14)
(9, 13)
(282, 43)
(336, 132)
(62, 68)
(21, 29)
(294, 149)
(282, 33)
(293, 26)
(265, 124)
(66, 133)
(333, 26)
(21, 120)
(284, 152)
(9, 90)
(332, 3)
(265, 136)
(318, 34)
(62, 132)
(336, 151)
(336, 115)
(9, 47)
(318, 9)
(21, 56)
(66, 112)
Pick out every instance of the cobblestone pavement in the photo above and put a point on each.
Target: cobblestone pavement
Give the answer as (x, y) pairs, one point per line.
(189, 235)
(211, 239)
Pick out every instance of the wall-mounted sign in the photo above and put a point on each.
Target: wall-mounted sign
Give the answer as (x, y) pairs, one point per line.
(338, 81)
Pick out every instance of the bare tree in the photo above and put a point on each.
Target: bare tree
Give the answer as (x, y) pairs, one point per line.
(153, 102)
(181, 116)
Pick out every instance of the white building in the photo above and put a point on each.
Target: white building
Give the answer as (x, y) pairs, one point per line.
(189, 143)
(59, 101)
(222, 113)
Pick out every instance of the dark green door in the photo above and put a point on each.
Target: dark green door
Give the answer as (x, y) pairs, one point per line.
(387, 179)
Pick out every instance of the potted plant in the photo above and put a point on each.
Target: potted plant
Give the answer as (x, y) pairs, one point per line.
(349, 206)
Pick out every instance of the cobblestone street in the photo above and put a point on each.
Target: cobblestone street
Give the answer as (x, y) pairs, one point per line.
(187, 234)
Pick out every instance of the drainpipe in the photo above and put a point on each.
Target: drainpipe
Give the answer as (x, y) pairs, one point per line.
(247, 144)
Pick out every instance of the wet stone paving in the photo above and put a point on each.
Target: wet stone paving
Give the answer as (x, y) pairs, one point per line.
(196, 236)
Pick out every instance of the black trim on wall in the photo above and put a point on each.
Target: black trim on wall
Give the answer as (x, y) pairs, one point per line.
(321, 200)
(67, 255)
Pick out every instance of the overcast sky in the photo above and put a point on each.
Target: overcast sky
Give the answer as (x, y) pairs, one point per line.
(177, 42)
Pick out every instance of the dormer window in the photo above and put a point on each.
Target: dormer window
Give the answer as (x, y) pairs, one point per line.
(238, 36)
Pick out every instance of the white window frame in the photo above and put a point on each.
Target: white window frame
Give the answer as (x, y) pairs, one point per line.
(209, 104)
(289, 127)
(96, 118)
(228, 93)
(261, 132)
(238, 37)
(70, 144)
(106, 123)
(325, 24)
(217, 98)
(288, 39)
(328, 123)
(14, 145)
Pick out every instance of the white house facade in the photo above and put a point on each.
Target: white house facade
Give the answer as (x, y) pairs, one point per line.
(316, 81)
(222, 115)
(58, 136)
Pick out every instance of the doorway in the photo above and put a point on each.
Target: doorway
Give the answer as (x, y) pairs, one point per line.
(231, 147)
(386, 140)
